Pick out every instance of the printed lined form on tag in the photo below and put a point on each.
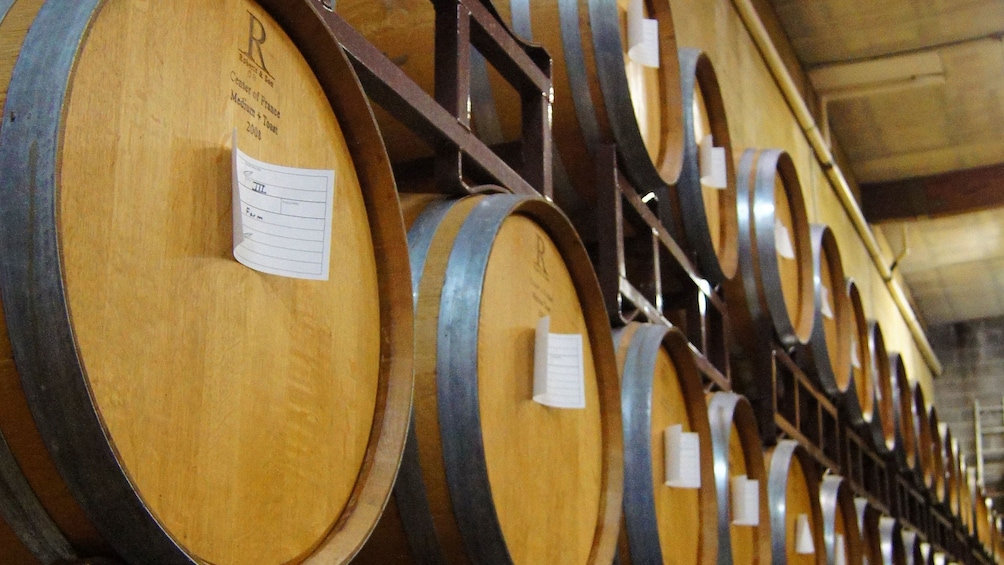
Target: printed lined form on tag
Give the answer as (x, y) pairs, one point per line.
(282, 217)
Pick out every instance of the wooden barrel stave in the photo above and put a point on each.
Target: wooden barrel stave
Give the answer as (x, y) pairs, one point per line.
(859, 401)
(890, 534)
(836, 501)
(701, 218)
(140, 523)
(925, 441)
(462, 256)
(736, 445)
(950, 496)
(827, 354)
(871, 542)
(938, 492)
(600, 96)
(883, 423)
(661, 386)
(906, 436)
(793, 489)
(40, 508)
(770, 293)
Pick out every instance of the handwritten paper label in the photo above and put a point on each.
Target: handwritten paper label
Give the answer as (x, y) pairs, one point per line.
(683, 458)
(558, 375)
(745, 501)
(855, 356)
(803, 536)
(824, 298)
(712, 164)
(282, 217)
(643, 36)
(782, 241)
(839, 551)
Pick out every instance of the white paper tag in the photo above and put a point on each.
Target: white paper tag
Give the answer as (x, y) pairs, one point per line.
(824, 295)
(282, 217)
(643, 36)
(782, 240)
(683, 458)
(745, 501)
(925, 550)
(939, 558)
(803, 536)
(855, 357)
(839, 551)
(712, 163)
(558, 375)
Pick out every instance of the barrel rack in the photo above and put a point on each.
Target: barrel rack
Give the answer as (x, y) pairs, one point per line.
(643, 273)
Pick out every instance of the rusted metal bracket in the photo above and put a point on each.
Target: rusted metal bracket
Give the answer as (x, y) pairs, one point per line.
(462, 161)
(645, 275)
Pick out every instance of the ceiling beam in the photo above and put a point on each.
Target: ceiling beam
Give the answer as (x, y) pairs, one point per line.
(955, 192)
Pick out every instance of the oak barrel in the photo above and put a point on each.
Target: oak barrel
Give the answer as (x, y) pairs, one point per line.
(938, 492)
(905, 415)
(840, 520)
(883, 423)
(882, 534)
(949, 450)
(967, 504)
(772, 292)
(913, 551)
(737, 451)
(793, 496)
(871, 542)
(981, 516)
(490, 475)
(891, 536)
(601, 96)
(661, 387)
(925, 439)
(859, 401)
(827, 355)
(158, 381)
(702, 217)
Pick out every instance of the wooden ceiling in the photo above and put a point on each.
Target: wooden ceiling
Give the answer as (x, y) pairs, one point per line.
(913, 92)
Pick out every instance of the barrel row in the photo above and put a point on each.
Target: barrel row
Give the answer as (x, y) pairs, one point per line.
(151, 382)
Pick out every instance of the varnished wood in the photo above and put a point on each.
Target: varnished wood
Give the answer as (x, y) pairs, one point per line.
(862, 376)
(13, 27)
(548, 508)
(562, 497)
(743, 456)
(951, 491)
(905, 428)
(704, 218)
(798, 487)
(925, 440)
(956, 192)
(771, 293)
(309, 431)
(404, 31)
(15, 419)
(937, 455)
(884, 429)
(685, 518)
(258, 418)
(836, 500)
(836, 328)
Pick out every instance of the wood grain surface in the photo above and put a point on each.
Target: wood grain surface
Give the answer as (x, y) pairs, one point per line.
(239, 403)
(544, 464)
